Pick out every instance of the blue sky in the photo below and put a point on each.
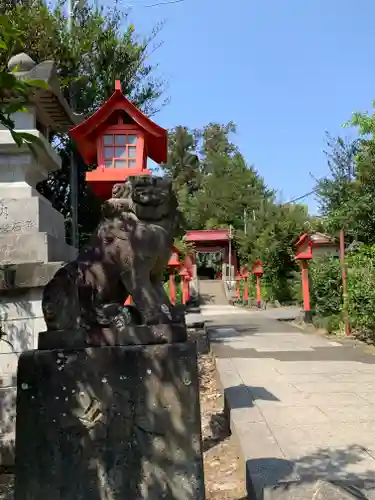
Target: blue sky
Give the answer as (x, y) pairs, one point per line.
(283, 71)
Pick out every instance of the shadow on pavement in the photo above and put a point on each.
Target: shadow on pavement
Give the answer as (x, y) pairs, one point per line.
(326, 463)
(243, 396)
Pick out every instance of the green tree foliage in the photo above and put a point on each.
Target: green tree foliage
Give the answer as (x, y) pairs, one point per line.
(102, 47)
(343, 197)
(347, 200)
(217, 188)
(272, 240)
(183, 164)
(335, 191)
(347, 196)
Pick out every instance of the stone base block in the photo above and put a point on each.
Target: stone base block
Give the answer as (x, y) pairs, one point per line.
(34, 247)
(109, 423)
(30, 215)
(133, 335)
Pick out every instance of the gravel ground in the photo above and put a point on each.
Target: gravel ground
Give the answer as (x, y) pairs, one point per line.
(224, 473)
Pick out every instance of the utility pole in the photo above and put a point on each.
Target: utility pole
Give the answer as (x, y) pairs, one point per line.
(230, 254)
(344, 284)
(344, 279)
(73, 180)
(245, 220)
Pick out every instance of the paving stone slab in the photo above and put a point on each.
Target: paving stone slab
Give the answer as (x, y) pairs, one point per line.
(293, 415)
(311, 413)
(350, 413)
(319, 490)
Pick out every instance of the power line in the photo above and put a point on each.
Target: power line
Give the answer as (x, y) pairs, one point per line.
(168, 2)
(301, 197)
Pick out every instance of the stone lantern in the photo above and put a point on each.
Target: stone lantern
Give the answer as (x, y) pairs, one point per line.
(32, 232)
(309, 246)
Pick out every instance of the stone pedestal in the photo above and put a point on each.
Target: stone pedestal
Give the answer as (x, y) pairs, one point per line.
(32, 232)
(109, 423)
(21, 315)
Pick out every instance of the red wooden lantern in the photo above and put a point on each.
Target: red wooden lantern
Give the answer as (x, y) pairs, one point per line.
(173, 264)
(258, 271)
(303, 255)
(258, 268)
(118, 137)
(174, 260)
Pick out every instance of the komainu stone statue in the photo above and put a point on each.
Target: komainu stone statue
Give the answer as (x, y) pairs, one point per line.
(127, 255)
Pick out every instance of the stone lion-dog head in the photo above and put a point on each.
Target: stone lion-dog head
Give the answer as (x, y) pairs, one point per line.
(144, 198)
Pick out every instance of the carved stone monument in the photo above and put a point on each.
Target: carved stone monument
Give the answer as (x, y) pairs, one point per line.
(32, 234)
(108, 407)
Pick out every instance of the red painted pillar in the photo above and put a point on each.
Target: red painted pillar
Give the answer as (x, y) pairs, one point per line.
(172, 289)
(258, 271)
(185, 290)
(238, 287)
(259, 294)
(245, 275)
(184, 285)
(188, 287)
(306, 291)
(246, 291)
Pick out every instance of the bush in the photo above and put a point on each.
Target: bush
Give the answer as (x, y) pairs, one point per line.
(361, 290)
(326, 287)
(331, 324)
(252, 287)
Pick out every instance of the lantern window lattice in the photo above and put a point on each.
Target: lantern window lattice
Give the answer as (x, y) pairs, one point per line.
(120, 150)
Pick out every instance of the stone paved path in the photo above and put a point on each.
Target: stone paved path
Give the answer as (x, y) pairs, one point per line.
(301, 406)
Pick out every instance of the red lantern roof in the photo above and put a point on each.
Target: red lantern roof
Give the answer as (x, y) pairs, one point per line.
(258, 268)
(173, 260)
(86, 133)
(306, 242)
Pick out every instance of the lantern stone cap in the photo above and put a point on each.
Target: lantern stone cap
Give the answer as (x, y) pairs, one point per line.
(53, 108)
(21, 61)
(86, 133)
